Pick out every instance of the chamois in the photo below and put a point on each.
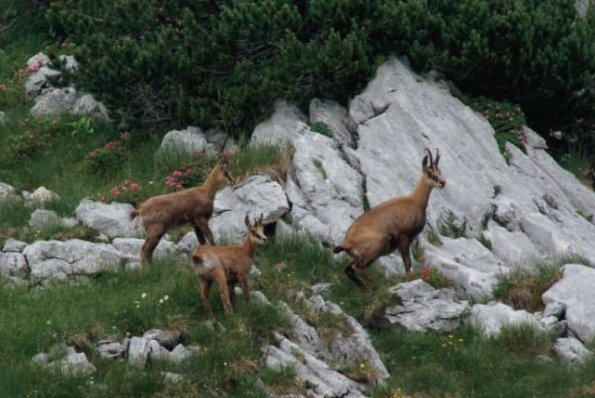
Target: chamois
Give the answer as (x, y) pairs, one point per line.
(391, 225)
(193, 205)
(227, 265)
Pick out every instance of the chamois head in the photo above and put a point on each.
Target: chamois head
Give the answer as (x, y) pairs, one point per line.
(256, 231)
(221, 173)
(431, 170)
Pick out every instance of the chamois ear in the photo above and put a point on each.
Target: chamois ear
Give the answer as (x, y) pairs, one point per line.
(247, 220)
(259, 222)
(224, 163)
(224, 156)
(424, 162)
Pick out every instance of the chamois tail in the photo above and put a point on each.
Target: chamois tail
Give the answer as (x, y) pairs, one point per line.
(339, 249)
(197, 259)
(133, 214)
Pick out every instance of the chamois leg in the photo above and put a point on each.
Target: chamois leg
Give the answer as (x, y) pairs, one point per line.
(355, 271)
(232, 293)
(199, 235)
(146, 252)
(203, 232)
(205, 289)
(404, 245)
(221, 280)
(360, 267)
(245, 288)
(350, 272)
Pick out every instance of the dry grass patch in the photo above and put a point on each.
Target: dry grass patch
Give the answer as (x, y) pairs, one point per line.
(271, 161)
(522, 288)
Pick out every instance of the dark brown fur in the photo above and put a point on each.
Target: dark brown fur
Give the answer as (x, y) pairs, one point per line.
(391, 225)
(193, 205)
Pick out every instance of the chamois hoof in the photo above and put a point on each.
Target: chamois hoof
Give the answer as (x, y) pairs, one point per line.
(350, 272)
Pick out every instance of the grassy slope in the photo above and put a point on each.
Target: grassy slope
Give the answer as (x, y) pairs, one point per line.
(461, 364)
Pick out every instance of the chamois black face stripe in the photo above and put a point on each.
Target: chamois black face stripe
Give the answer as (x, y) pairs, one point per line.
(433, 177)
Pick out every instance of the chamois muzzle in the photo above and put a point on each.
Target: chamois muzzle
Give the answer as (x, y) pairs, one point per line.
(229, 178)
(262, 240)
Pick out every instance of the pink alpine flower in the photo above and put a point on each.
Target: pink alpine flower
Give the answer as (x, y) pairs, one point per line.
(33, 67)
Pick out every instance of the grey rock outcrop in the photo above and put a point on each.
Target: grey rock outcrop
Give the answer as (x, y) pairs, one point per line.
(71, 363)
(5, 190)
(572, 350)
(574, 291)
(50, 101)
(191, 140)
(425, 308)
(41, 217)
(259, 194)
(326, 193)
(13, 265)
(59, 260)
(342, 350)
(286, 123)
(111, 219)
(138, 351)
(322, 381)
(490, 318)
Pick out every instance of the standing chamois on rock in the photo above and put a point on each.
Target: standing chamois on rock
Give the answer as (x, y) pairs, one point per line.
(227, 265)
(193, 205)
(391, 225)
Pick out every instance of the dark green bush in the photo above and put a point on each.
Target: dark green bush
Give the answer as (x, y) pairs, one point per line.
(20, 18)
(506, 118)
(223, 63)
(533, 52)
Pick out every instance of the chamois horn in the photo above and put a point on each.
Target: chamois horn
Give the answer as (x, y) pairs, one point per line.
(433, 162)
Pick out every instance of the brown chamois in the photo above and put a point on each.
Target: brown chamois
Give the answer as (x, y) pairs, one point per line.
(391, 225)
(227, 266)
(193, 205)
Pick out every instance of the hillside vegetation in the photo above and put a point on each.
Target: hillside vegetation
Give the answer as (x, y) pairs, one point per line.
(223, 63)
(159, 65)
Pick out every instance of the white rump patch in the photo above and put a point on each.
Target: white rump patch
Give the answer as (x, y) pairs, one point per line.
(205, 266)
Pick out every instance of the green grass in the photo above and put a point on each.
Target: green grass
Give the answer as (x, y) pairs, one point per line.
(467, 364)
(54, 152)
(112, 305)
(579, 160)
(116, 305)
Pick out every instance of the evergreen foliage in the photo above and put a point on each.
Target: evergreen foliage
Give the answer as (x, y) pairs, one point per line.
(537, 53)
(223, 63)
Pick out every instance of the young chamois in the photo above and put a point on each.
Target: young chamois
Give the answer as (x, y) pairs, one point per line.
(391, 225)
(193, 205)
(227, 265)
